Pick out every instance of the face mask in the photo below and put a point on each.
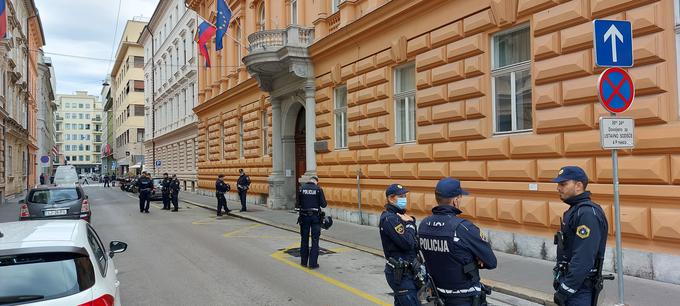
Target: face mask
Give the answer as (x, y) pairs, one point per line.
(401, 203)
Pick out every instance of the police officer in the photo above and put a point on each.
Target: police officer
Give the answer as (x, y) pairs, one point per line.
(400, 244)
(454, 249)
(165, 189)
(220, 189)
(242, 184)
(310, 202)
(145, 186)
(174, 192)
(581, 242)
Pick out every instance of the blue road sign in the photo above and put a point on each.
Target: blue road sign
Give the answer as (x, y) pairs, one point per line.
(613, 40)
(44, 159)
(158, 164)
(113, 164)
(616, 90)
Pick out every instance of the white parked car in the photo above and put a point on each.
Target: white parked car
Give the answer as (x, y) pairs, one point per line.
(66, 175)
(56, 262)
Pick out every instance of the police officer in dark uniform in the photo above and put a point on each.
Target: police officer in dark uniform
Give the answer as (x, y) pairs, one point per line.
(400, 244)
(242, 184)
(310, 201)
(581, 242)
(220, 189)
(165, 189)
(145, 186)
(174, 192)
(454, 249)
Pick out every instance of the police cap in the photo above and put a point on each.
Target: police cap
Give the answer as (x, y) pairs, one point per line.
(449, 187)
(571, 173)
(395, 189)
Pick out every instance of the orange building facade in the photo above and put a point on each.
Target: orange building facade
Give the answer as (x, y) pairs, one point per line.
(497, 93)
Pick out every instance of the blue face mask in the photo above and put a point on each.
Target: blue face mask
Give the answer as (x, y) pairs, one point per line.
(401, 203)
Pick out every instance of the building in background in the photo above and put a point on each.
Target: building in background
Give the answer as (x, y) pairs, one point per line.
(500, 94)
(170, 64)
(79, 121)
(127, 92)
(108, 164)
(19, 76)
(46, 122)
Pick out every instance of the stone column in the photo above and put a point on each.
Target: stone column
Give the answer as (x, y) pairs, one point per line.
(310, 127)
(277, 195)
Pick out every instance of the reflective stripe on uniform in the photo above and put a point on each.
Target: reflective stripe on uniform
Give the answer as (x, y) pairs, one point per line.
(461, 291)
(568, 289)
(410, 226)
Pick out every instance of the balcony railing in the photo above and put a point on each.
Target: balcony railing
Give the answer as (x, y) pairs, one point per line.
(270, 40)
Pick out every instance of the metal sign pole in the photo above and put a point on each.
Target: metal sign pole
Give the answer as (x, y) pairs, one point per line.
(361, 217)
(617, 214)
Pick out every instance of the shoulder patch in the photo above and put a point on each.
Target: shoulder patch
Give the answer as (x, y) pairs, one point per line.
(484, 237)
(399, 229)
(582, 231)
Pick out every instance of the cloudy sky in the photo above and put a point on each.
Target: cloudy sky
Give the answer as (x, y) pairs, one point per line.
(85, 28)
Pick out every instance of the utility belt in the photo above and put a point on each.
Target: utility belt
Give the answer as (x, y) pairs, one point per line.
(309, 212)
(219, 193)
(414, 269)
(475, 300)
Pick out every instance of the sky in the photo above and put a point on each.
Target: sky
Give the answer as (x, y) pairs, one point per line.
(85, 28)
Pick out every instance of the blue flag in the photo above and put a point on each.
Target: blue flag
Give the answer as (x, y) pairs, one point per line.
(222, 22)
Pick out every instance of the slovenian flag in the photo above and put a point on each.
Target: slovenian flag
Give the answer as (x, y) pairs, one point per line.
(3, 20)
(205, 32)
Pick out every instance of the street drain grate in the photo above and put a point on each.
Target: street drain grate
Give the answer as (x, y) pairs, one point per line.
(295, 252)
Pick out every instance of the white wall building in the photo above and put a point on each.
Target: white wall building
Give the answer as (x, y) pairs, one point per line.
(79, 130)
(46, 115)
(170, 56)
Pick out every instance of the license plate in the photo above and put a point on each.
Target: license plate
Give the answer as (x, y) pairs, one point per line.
(55, 212)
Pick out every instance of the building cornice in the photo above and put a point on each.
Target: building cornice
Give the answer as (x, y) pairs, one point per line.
(189, 127)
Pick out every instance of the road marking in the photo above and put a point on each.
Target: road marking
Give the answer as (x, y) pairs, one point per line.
(204, 221)
(281, 256)
(231, 233)
(152, 204)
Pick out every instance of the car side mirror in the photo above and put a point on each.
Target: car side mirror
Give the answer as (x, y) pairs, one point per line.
(87, 197)
(117, 247)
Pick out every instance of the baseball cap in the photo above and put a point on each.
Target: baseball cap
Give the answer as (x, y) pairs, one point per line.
(395, 189)
(449, 187)
(316, 178)
(571, 173)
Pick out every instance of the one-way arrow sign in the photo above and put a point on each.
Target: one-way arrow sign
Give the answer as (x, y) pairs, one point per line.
(613, 40)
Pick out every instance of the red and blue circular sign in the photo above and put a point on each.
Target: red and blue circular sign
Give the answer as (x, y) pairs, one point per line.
(616, 90)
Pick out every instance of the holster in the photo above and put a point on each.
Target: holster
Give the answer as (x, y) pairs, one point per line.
(398, 268)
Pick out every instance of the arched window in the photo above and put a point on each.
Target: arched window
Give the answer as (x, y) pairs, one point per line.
(260, 18)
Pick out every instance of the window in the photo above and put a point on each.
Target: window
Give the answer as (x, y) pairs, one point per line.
(68, 126)
(80, 105)
(80, 116)
(139, 110)
(68, 105)
(511, 80)
(341, 117)
(68, 136)
(67, 148)
(293, 12)
(81, 147)
(87, 105)
(68, 116)
(74, 148)
(80, 158)
(10, 169)
(68, 158)
(87, 126)
(25, 163)
(265, 134)
(240, 138)
(138, 61)
(140, 135)
(87, 157)
(405, 97)
(81, 126)
(87, 147)
(335, 5)
(261, 18)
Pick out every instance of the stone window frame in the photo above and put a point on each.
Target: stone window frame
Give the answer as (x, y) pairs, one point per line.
(266, 150)
(342, 122)
(293, 12)
(410, 98)
(512, 69)
(335, 6)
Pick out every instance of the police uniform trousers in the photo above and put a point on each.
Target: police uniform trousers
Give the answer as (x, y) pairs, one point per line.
(405, 292)
(175, 199)
(457, 301)
(166, 200)
(144, 199)
(221, 202)
(309, 223)
(582, 297)
(242, 197)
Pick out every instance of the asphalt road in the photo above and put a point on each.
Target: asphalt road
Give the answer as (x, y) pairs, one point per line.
(191, 257)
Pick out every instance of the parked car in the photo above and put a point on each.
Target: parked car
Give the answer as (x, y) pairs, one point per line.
(66, 175)
(65, 201)
(157, 192)
(57, 262)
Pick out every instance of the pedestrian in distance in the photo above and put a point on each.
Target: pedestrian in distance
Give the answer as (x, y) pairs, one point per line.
(454, 249)
(400, 245)
(106, 180)
(220, 189)
(85, 179)
(242, 184)
(113, 180)
(174, 192)
(145, 186)
(310, 201)
(581, 242)
(165, 191)
(42, 178)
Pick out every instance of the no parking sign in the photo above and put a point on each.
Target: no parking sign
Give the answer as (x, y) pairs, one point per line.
(616, 90)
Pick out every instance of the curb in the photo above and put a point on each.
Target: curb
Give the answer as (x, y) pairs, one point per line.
(531, 295)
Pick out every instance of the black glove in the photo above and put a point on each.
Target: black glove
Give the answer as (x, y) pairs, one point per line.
(556, 285)
(560, 298)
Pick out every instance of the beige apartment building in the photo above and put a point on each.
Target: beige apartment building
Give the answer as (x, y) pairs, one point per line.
(79, 131)
(127, 92)
(497, 93)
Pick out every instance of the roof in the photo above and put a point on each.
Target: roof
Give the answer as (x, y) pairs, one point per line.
(41, 233)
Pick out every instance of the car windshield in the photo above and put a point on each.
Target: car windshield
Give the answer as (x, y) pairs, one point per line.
(157, 181)
(59, 275)
(45, 196)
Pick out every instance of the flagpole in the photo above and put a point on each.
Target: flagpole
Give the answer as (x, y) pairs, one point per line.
(225, 33)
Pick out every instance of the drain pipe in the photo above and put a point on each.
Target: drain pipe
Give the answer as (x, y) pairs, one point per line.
(361, 217)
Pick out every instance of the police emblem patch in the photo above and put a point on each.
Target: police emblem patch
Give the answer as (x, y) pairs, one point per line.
(399, 229)
(561, 171)
(583, 231)
(481, 235)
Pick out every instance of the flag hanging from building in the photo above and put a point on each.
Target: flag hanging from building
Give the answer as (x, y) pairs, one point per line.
(205, 32)
(222, 22)
(3, 20)
(55, 151)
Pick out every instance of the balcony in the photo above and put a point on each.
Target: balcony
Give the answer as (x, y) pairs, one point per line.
(60, 118)
(97, 118)
(276, 53)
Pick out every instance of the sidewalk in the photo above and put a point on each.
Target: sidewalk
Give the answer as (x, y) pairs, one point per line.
(527, 278)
